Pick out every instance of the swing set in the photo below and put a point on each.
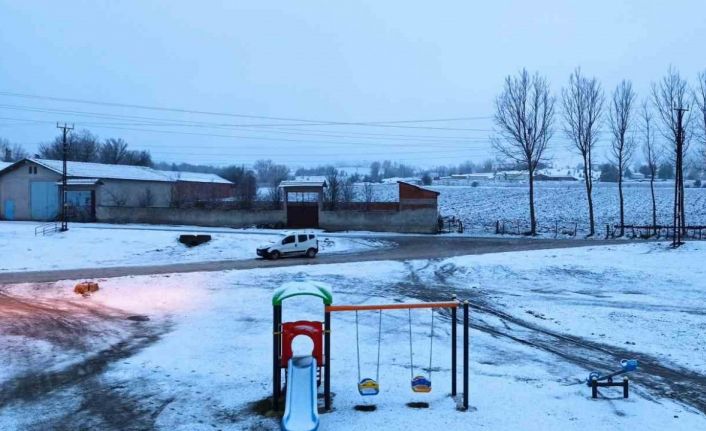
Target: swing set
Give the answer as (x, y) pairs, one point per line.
(320, 333)
(368, 386)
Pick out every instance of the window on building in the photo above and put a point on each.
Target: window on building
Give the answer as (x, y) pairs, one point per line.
(288, 240)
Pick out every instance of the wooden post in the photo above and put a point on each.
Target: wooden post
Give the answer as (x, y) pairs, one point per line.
(453, 349)
(594, 388)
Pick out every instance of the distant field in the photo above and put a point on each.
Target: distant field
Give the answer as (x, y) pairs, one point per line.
(479, 207)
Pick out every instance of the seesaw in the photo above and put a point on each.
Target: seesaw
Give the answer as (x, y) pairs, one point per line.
(596, 380)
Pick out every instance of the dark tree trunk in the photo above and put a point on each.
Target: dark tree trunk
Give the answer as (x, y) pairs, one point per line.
(654, 204)
(589, 190)
(533, 220)
(620, 193)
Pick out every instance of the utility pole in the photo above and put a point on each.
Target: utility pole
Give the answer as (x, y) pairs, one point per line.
(65, 129)
(679, 222)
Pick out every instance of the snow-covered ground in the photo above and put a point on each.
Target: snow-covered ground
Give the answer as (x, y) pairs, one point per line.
(565, 202)
(102, 245)
(541, 321)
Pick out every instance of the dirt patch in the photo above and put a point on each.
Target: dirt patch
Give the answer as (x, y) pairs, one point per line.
(365, 407)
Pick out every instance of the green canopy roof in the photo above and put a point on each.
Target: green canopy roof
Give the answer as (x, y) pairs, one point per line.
(303, 288)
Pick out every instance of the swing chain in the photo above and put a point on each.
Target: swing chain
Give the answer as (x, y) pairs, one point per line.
(377, 371)
(411, 352)
(357, 345)
(431, 345)
(431, 342)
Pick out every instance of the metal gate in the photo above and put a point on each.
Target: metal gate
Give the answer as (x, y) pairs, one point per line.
(44, 200)
(302, 215)
(9, 209)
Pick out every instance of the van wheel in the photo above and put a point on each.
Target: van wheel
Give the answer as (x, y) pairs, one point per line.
(311, 253)
(275, 255)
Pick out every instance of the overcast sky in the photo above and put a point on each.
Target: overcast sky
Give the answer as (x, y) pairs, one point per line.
(322, 61)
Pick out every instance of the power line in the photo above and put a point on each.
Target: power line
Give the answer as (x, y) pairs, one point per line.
(301, 121)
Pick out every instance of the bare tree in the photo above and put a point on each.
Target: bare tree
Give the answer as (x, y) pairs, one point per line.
(146, 199)
(583, 109)
(274, 195)
(524, 116)
(622, 145)
(347, 190)
(11, 152)
(333, 189)
(669, 96)
(368, 194)
(700, 97)
(652, 156)
(118, 198)
(113, 151)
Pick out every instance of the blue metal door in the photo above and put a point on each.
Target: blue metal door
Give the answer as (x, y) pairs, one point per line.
(9, 209)
(44, 200)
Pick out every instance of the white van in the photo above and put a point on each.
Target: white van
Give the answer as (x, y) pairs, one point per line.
(291, 244)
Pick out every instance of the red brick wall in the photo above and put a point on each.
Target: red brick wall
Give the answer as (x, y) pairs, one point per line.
(408, 191)
(413, 197)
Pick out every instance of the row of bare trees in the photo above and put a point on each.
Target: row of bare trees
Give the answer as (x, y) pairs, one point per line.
(525, 124)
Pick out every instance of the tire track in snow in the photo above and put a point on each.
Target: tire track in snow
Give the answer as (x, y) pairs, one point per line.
(660, 380)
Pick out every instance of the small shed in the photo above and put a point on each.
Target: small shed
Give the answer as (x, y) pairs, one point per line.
(416, 197)
(303, 197)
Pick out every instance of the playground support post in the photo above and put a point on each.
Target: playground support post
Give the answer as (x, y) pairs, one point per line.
(465, 354)
(453, 349)
(276, 345)
(327, 361)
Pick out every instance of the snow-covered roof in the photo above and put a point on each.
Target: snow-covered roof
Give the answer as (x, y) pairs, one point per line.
(312, 181)
(195, 177)
(126, 172)
(79, 181)
(99, 170)
(3, 165)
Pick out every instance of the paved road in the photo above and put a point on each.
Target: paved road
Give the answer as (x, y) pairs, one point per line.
(405, 248)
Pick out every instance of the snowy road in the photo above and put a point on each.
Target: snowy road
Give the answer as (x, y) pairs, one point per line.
(402, 248)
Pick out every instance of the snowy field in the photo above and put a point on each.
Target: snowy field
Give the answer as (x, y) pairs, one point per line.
(103, 245)
(541, 321)
(565, 203)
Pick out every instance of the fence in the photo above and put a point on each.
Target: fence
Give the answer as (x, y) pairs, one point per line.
(657, 232)
(522, 227)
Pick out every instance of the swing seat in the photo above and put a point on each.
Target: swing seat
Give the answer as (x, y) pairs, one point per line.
(421, 384)
(368, 387)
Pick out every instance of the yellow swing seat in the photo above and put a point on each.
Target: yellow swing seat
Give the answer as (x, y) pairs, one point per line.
(368, 387)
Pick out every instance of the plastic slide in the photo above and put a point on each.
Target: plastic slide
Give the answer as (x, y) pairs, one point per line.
(301, 411)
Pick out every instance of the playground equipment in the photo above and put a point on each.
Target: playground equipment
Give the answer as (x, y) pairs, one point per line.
(420, 383)
(304, 374)
(368, 386)
(595, 380)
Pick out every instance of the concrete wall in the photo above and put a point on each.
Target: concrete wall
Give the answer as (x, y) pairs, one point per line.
(16, 185)
(190, 216)
(408, 221)
(132, 193)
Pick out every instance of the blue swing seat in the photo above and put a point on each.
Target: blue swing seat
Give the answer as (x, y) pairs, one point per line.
(421, 384)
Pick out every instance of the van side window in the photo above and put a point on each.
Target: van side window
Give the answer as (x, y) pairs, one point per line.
(302, 238)
(288, 240)
(311, 236)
